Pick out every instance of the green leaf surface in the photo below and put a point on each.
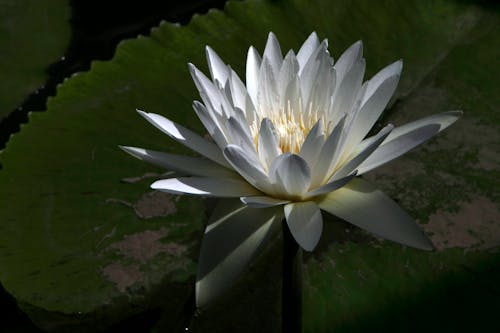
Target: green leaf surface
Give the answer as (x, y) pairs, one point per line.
(75, 249)
(33, 34)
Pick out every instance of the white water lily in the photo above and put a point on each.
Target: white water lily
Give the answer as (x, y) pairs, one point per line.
(289, 144)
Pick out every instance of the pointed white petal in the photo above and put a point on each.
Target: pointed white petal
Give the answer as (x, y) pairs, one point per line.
(239, 135)
(186, 137)
(328, 155)
(287, 74)
(348, 88)
(443, 119)
(310, 71)
(262, 201)
(238, 91)
(292, 172)
(218, 69)
(252, 73)
(406, 137)
(213, 187)
(267, 96)
(268, 143)
(209, 93)
(307, 49)
(233, 237)
(305, 223)
(393, 69)
(368, 148)
(196, 166)
(272, 52)
(247, 166)
(361, 204)
(331, 186)
(372, 108)
(313, 143)
(324, 84)
(347, 59)
(210, 122)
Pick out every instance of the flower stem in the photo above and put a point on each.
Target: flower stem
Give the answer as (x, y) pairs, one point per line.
(291, 297)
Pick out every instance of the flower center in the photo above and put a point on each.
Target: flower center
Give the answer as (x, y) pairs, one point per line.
(291, 124)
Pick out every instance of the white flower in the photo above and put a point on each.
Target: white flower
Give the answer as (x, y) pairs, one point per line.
(289, 144)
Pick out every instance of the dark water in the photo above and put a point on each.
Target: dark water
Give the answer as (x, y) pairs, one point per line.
(97, 27)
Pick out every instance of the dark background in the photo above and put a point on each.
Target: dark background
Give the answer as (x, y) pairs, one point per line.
(97, 28)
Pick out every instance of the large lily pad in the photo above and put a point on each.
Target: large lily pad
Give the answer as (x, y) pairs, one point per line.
(75, 244)
(33, 34)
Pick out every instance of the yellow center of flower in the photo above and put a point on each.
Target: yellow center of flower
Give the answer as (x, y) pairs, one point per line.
(291, 124)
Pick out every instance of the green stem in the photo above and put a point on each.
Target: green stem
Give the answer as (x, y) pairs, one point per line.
(291, 297)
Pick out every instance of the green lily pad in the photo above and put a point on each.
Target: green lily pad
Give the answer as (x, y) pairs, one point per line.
(81, 246)
(33, 34)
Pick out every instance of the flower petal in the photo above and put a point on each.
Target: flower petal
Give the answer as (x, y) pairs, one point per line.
(239, 134)
(291, 174)
(361, 204)
(347, 60)
(406, 137)
(238, 91)
(313, 143)
(267, 95)
(209, 93)
(310, 71)
(347, 90)
(195, 166)
(218, 69)
(253, 73)
(305, 223)
(371, 144)
(331, 186)
(213, 187)
(328, 155)
(272, 52)
(211, 123)
(247, 166)
(262, 201)
(307, 49)
(393, 69)
(268, 142)
(378, 93)
(232, 238)
(287, 74)
(186, 137)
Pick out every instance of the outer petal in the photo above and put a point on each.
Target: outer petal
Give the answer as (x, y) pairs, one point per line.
(328, 156)
(262, 201)
(212, 187)
(291, 173)
(313, 143)
(252, 73)
(331, 186)
(406, 137)
(361, 204)
(347, 90)
(233, 236)
(186, 137)
(307, 49)
(367, 149)
(268, 142)
(305, 223)
(272, 52)
(378, 93)
(347, 59)
(247, 166)
(211, 123)
(218, 69)
(209, 93)
(195, 166)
